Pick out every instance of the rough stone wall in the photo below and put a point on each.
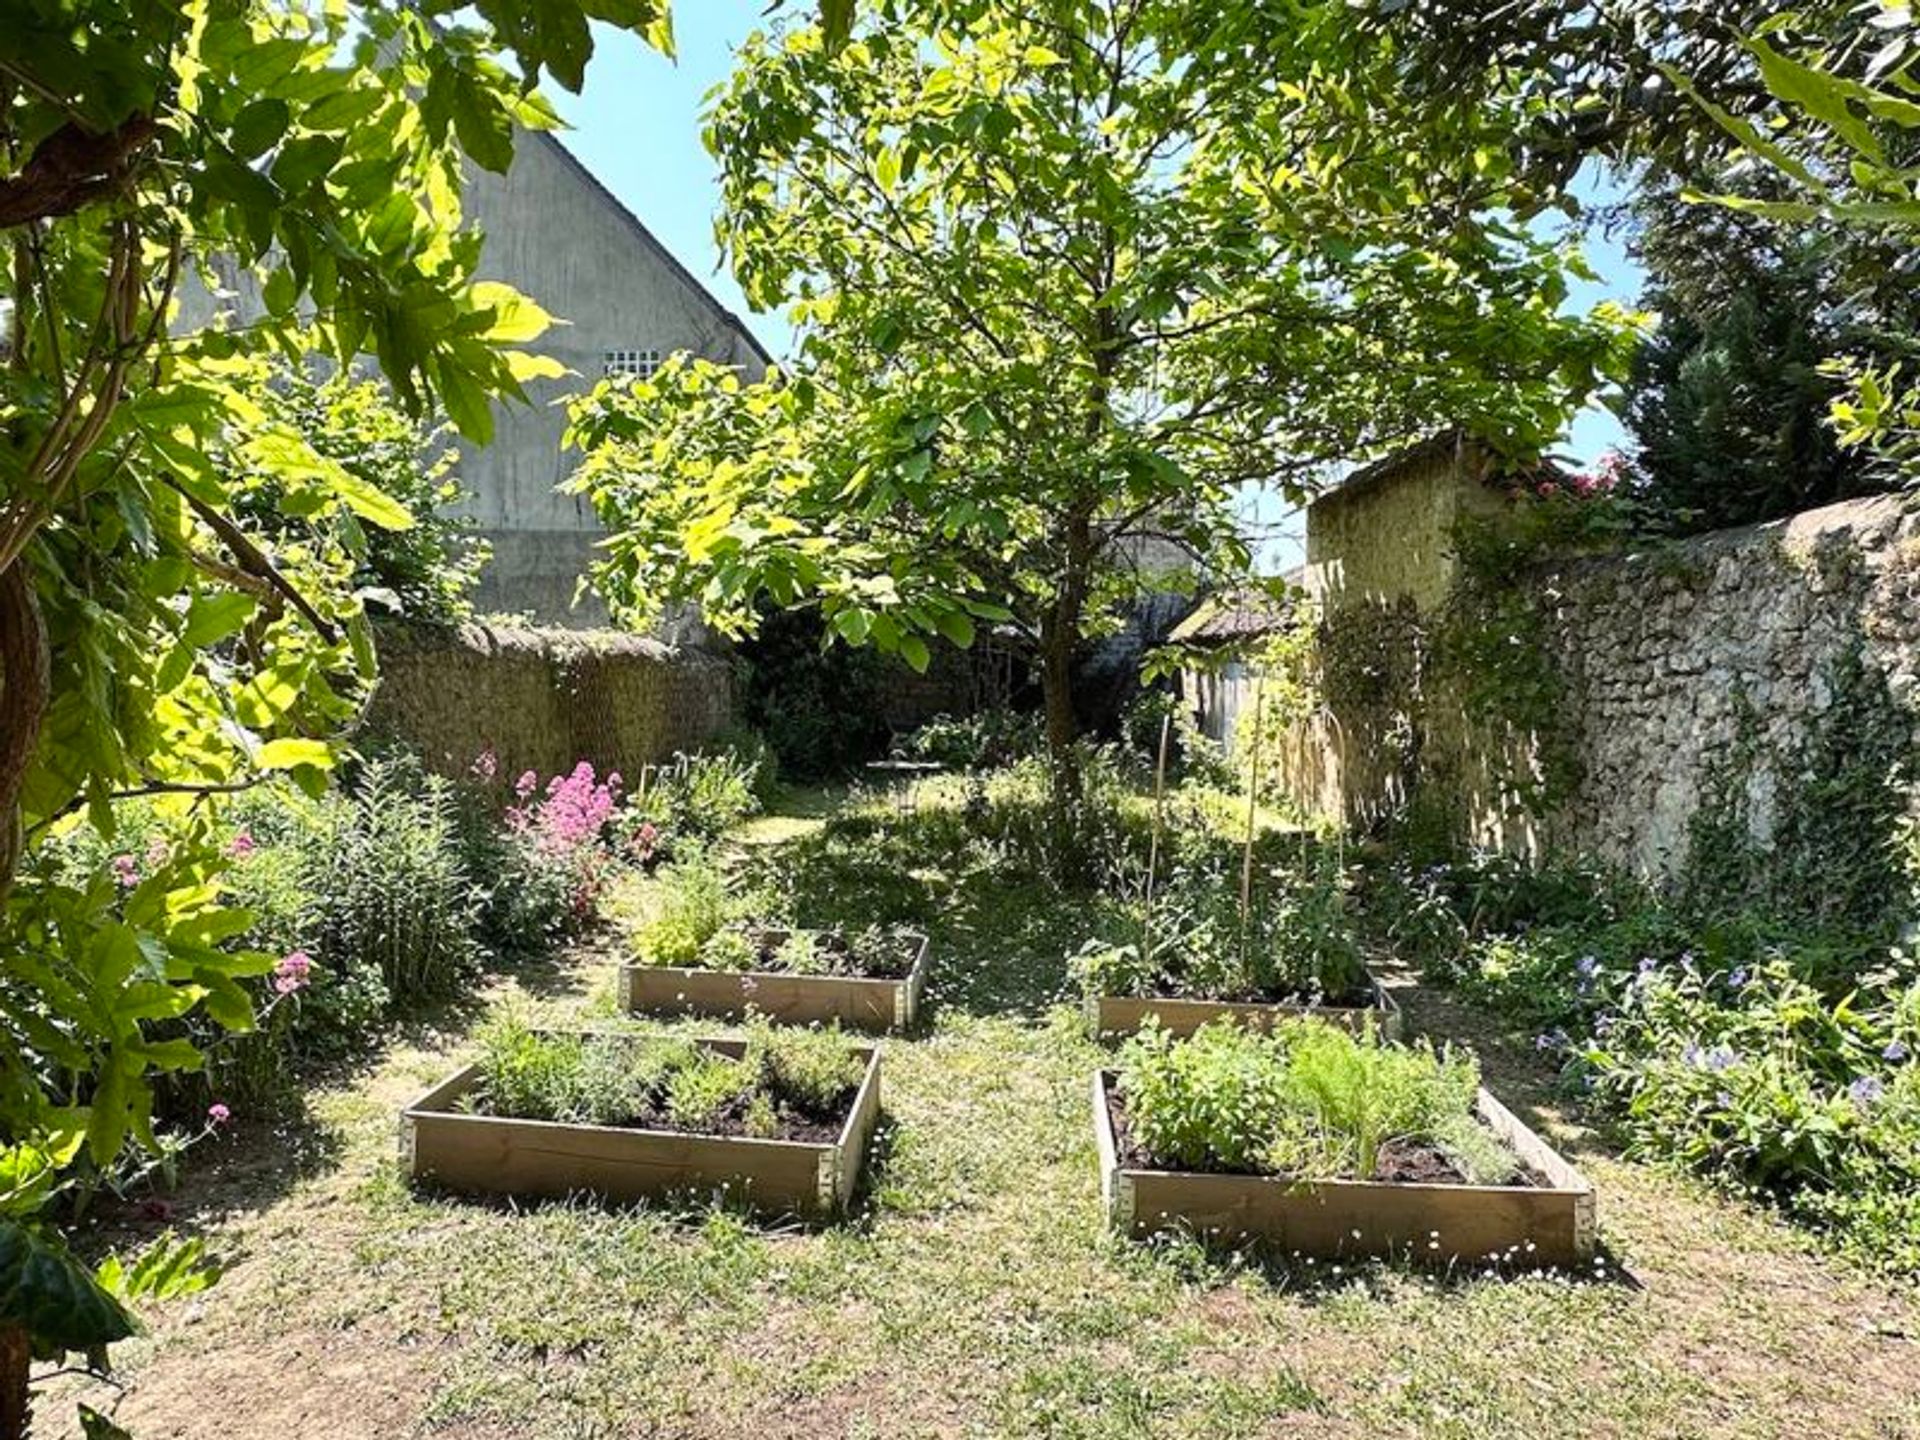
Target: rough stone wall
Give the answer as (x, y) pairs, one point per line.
(1716, 650)
(545, 699)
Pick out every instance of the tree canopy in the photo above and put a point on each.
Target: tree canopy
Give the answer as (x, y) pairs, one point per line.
(1066, 279)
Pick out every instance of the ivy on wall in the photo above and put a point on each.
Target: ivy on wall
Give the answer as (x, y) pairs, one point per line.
(1834, 814)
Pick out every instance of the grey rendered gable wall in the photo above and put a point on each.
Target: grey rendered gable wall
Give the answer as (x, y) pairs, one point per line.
(555, 233)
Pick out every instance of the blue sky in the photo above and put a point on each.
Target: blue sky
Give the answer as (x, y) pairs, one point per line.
(637, 127)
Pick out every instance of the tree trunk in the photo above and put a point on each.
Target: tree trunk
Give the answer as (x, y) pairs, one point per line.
(23, 703)
(16, 1370)
(1059, 634)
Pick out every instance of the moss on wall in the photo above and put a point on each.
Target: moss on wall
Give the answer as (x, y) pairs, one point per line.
(545, 699)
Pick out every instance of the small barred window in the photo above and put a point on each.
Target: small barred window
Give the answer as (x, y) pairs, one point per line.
(638, 363)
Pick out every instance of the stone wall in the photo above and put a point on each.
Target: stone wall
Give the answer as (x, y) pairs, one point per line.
(1715, 663)
(545, 699)
(1722, 678)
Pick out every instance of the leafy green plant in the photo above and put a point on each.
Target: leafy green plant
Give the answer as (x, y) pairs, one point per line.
(393, 893)
(1348, 1094)
(980, 741)
(690, 908)
(1212, 1102)
(729, 949)
(1311, 1100)
(812, 1070)
(700, 1094)
(624, 1079)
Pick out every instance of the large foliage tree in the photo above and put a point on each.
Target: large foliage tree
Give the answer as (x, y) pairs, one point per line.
(1068, 273)
(177, 557)
(1841, 134)
(1730, 398)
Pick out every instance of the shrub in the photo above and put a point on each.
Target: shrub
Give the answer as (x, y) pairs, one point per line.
(391, 892)
(983, 740)
(699, 797)
(820, 706)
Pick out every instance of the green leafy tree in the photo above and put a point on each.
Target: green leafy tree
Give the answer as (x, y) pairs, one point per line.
(1065, 282)
(1842, 134)
(1731, 397)
(177, 552)
(425, 572)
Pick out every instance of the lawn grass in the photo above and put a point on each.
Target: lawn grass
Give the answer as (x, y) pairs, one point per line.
(976, 1291)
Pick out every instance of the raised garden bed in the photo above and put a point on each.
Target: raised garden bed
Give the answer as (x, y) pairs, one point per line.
(1549, 1219)
(869, 1002)
(1120, 1015)
(812, 1174)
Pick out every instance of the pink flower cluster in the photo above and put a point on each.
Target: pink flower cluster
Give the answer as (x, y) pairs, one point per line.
(567, 824)
(1603, 479)
(294, 972)
(573, 812)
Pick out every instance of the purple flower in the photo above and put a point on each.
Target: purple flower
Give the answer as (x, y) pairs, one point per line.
(1586, 967)
(1721, 1058)
(1737, 978)
(1866, 1090)
(126, 871)
(1723, 1100)
(1554, 1040)
(218, 1114)
(1646, 965)
(242, 845)
(1894, 1053)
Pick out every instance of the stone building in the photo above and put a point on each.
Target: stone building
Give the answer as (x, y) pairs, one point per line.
(558, 235)
(625, 304)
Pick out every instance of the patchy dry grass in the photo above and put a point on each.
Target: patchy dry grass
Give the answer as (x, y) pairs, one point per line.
(976, 1293)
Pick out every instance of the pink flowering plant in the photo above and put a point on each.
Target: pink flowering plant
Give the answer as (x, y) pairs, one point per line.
(562, 830)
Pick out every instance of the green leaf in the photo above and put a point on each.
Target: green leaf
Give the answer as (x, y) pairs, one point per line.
(52, 1296)
(836, 22)
(259, 126)
(211, 618)
(292, 751)
(914, 651)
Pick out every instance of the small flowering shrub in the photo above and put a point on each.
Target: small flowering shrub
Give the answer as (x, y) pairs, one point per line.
(1775, 1058)
(557, 856)
(1758, 1077)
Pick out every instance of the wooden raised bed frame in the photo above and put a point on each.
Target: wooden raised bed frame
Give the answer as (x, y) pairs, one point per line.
(1124, 1014)
(1333, 1219)
(495, 1155)
(856, 1003)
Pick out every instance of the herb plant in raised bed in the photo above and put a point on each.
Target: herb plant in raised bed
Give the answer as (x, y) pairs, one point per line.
(1329, 1143)
(1206, 949)
(698, 958)
(781, 1119)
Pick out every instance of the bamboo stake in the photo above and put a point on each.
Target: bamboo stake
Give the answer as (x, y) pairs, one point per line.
(1159, 811)
(1253, 793)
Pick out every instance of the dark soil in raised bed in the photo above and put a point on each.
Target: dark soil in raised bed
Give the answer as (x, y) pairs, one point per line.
(895, 964)
(794, 1125)
(1170, 988)
(1402, 1162)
